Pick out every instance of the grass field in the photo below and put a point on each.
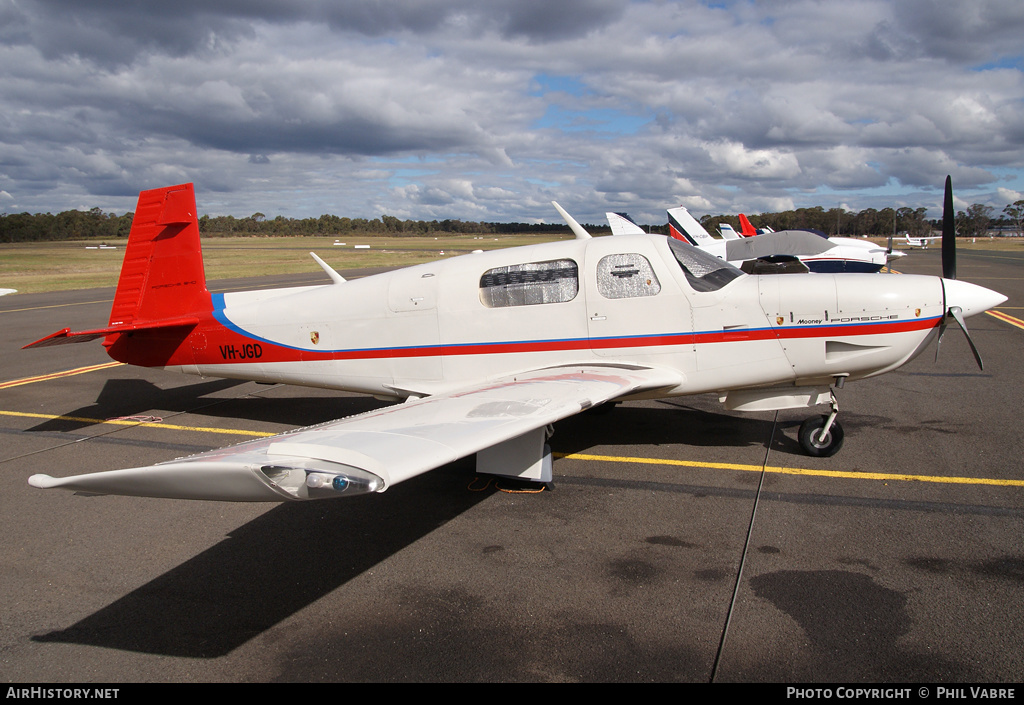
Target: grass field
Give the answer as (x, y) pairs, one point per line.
(57, 266)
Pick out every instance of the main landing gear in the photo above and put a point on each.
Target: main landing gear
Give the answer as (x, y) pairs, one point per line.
(822, 436)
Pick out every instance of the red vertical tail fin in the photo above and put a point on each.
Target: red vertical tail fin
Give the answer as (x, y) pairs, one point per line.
(161, 295)
(162, 276)
(746, 227)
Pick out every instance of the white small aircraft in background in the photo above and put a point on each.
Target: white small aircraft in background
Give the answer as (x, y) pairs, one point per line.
(4, 292)
(922, 242)
(487, 350)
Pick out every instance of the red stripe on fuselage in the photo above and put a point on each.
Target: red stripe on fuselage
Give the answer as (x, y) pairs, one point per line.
(225, 346)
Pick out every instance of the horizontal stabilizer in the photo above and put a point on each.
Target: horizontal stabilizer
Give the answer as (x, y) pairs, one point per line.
(66, 336)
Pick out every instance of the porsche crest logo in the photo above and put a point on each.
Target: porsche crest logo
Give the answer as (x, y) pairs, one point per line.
(779, 320)
(314, 337)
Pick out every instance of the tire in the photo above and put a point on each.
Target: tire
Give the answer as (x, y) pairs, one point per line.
(810, 430)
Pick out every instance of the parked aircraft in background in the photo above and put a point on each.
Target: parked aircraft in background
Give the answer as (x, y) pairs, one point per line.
(816, 251)
(922, 242)
(4, 292)
(748, 229)
(621, 224)
(728, 233)
(487, 350)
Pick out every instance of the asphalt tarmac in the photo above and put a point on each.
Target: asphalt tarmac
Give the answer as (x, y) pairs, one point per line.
(681, 542)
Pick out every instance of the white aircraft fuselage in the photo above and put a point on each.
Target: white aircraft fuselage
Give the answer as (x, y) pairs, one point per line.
(429, 329)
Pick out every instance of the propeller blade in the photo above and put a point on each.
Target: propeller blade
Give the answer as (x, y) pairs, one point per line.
(948, 233)
(938, 340)
(956, 313)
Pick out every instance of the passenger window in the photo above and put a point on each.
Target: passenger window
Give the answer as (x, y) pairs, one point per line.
(626, 276)
(528, 284)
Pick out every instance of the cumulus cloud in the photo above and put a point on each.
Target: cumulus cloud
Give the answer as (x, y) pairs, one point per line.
(461, 109)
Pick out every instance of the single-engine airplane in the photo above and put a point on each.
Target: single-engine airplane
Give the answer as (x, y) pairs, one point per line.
(921, 242)
(489, 349)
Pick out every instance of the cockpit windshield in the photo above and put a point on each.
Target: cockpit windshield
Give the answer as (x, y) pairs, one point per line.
(703, 271)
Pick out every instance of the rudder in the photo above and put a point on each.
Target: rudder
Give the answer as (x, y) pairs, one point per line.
(161, 294)
(162, 276)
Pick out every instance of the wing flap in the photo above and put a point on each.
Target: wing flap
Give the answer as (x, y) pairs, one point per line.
(372, 451)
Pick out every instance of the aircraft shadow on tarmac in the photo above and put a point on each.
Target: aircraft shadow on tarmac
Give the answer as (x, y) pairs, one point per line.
(246, 584)
(667, 423)
(122, 398)
(255, 578)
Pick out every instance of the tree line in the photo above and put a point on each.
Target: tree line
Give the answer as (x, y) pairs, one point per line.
(95, 224)
(977, 220)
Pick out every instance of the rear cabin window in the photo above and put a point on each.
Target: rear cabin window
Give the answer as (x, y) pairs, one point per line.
(626, 276)
(529, 284)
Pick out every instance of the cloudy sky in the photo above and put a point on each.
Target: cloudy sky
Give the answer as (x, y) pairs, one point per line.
(490, 109)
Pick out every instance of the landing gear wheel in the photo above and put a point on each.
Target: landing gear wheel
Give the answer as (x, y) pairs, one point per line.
(812, 442)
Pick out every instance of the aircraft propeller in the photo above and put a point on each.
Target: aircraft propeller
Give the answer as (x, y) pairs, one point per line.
(949, 272)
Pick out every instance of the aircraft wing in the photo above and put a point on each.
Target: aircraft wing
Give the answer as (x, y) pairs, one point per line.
(372, 451)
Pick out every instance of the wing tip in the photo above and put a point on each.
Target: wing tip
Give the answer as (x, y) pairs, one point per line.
(43, 482)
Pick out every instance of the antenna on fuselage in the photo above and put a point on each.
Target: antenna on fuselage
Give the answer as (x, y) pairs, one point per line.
(576, 228)
(335, 277)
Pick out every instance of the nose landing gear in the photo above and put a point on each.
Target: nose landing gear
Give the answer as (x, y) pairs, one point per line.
(822, 436)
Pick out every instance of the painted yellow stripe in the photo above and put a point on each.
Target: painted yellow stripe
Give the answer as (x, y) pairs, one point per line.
(64, 305)
(58, 375)
(582, 456)
(1007, 318)
(129, 422)
(799, 471)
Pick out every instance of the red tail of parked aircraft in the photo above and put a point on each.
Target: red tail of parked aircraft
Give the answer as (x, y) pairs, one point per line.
(746, 228)
(161, 294)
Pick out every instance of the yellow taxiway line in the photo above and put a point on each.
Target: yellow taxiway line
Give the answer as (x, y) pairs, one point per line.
(576, 456)
(131, 421)
(798, 471)
(1006, 318)
(58, 375)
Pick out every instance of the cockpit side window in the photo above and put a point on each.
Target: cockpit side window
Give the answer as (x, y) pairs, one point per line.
(703, 271)
(626, 276)
(528, 284)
